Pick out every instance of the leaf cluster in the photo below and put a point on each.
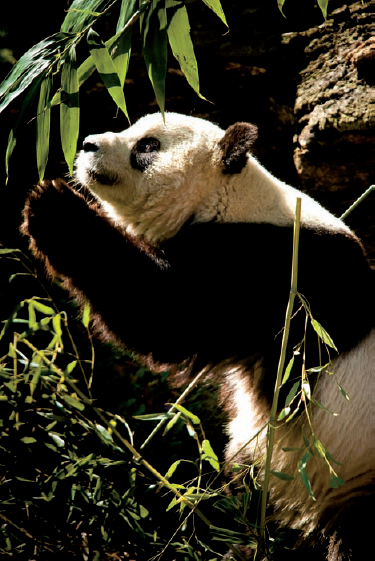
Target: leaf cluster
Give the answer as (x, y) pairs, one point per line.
(49, 71)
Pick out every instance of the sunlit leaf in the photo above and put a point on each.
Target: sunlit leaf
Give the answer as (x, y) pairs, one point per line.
(187, 413)
(46, 310)
(82, 13)
(323, 334)
(86, 315)
(288, 370)
(73, 401)
(106, 69)
(153, 25)
(28, 440)
(215, 6)
(280, 4)
(31, 66)
(323, 5)
(209, 455)
(43, 125)
(69, 108)
(172, 469)
(57, 439)
(179, 38)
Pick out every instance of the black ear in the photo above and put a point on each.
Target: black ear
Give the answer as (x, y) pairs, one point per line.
(236, 142)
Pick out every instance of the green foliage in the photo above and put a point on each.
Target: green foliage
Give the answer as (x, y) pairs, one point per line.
(161, 21)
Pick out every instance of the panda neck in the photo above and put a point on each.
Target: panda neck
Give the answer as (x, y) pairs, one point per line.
(256, 196)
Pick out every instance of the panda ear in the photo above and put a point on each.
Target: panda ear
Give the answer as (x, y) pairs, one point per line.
(236, 142)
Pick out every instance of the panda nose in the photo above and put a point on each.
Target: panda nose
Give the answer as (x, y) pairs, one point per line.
(89, 146)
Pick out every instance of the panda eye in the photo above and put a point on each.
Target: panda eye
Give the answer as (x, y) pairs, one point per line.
(144, 152)
(146, 145)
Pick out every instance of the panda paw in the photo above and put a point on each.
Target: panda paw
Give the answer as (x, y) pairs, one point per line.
(50, 206)
(52, 218)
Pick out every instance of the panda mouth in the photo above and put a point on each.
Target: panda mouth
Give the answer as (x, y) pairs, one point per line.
(102, 178)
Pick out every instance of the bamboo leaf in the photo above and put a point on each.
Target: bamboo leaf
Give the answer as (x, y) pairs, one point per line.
(181, 44)
(172, 469)
(323, 334)
(43, 125)
(82, 13)
(280, 4)
(282, 475)
(215, 6)
(288, 370)
(209, 455)
(128, 9)
(73, 402)
(323, 5)
(302, 472)
(22, 120)
(31, 66)
(106, 69)
(187, 413)
(47, 310)
(69, 108)
(153, 25)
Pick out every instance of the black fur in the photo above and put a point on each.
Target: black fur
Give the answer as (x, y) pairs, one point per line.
(144, 152)
(213, 292)
(235, 144)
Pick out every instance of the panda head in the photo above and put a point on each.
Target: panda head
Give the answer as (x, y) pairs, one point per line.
(154, 176)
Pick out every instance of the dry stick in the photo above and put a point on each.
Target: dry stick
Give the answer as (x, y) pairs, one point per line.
(280, 369)
(137, 456)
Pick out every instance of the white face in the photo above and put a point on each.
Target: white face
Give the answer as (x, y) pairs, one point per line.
(152, 176)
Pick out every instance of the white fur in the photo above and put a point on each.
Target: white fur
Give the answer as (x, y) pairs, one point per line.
(346, 435)
(187, 178)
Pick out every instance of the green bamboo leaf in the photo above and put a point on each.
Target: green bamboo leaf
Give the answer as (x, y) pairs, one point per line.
(11, 318)
(315, 402)
(335, 481)
(209, 455)
(127, 11)
(288, 371)
(302, 472)
(172, 469)
(187, 413)
(323, 334)
(323, 5)
(69, 369)
(32, 65)
(69, 108)
(291, 394)
(7, 250)
(280, 4)
(343, 391)
(46, 310)
(17, 131)
(106, 69)
(153, 25)
(73, 402)
(282, 475)
(86, 315)
(82, 13)
(181, 43)
(28, 440)
(43, 125)
(215, 6)
(32, 315)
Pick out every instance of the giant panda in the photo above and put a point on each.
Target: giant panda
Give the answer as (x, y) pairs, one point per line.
(185, 259)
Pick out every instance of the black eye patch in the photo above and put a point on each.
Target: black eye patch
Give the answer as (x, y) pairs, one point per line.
(144, 152)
